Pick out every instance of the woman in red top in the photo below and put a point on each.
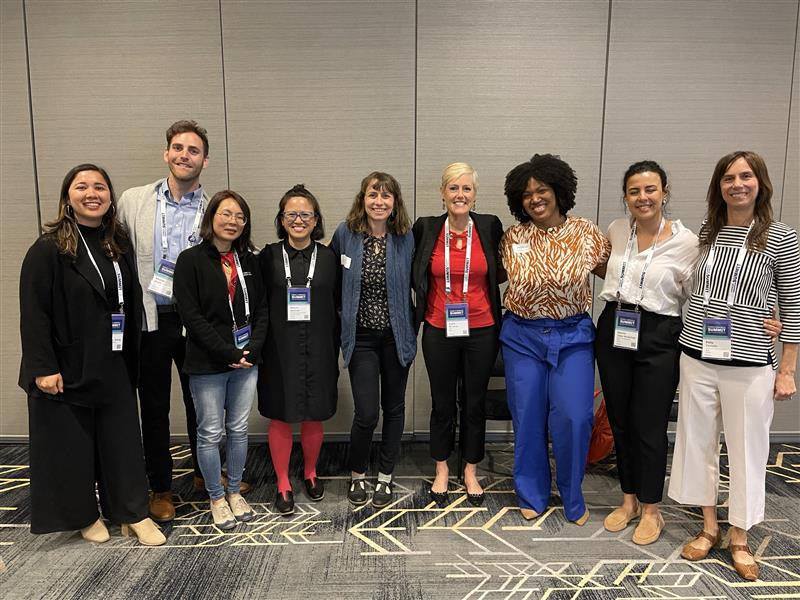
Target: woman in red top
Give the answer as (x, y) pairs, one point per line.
(460, 306)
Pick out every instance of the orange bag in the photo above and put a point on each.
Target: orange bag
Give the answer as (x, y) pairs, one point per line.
(602, 442)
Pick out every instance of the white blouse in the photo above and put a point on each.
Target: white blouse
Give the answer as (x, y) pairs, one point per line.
(668, 280)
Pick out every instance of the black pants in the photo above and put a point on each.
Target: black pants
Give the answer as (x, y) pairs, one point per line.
(71, 448)
(378, 381)
(447, 360)
(639, 388)
(159, 349)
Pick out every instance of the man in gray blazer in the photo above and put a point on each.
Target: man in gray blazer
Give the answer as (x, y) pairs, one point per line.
(164, 218)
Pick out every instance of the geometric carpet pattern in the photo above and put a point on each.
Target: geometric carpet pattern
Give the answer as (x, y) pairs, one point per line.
(410, 549)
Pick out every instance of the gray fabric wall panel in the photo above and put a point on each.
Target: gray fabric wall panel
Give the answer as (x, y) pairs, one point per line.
(18, 226)
(497, 83)
(318, 93)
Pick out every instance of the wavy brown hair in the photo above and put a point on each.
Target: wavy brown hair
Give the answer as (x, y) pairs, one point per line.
(717, 212)
(64, 228)
(399, 222)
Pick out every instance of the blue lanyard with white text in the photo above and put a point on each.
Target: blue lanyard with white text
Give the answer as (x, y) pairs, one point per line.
(246, 296)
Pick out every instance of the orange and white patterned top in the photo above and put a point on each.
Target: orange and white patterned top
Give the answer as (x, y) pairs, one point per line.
(548, 270)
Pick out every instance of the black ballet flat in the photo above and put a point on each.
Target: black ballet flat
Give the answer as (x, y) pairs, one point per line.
(476, 499)
(439, 497)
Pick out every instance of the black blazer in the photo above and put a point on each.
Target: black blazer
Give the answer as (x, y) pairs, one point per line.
(201, 294)
(65, 324)
(427, 229)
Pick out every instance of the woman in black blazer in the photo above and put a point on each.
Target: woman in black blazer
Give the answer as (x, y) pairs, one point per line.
(80, 311)
(222, 304)
(462, 320)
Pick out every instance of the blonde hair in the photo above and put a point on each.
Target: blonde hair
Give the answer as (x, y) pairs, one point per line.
(456, 170)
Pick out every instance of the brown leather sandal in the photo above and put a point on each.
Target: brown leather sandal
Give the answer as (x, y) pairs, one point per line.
(689, 552)
(745, 571)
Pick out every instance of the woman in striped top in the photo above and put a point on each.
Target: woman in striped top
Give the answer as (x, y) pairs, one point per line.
(748, 263)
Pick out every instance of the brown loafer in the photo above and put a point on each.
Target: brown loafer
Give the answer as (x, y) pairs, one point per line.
(161, 507)
(690, 552)
(619, 518)
(648, 530)
(745, 571)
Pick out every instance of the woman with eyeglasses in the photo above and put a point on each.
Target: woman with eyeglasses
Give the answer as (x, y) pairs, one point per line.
(222, 304)
(297, 383)
(375, 247)
(80, 311)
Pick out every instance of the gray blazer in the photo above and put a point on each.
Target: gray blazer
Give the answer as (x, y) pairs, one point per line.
(137, 211)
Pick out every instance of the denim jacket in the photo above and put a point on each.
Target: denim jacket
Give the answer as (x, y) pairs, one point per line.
(349, 246)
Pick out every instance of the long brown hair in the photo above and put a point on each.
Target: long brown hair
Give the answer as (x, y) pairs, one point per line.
(399, 222)
(717, 212)
(64, 228)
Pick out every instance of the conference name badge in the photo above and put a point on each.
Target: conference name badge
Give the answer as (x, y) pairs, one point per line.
(717, 339)
(457, 320)
(117, 331)
(161, 283)
(521, 248)
(626, 329)
(241, 337)
(298, 304)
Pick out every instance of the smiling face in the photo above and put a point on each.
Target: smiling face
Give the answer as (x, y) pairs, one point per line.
(539, 202)
(89, 197)
(185, 157)
(299, 221)
(644, 196)
(739, 187)
(378, 204)
(229, 221)
(459, 195)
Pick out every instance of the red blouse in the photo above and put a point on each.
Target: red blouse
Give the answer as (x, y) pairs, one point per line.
(480, 308)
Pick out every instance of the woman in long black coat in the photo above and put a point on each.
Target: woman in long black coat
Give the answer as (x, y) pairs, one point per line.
(297, 383)
(80, 311)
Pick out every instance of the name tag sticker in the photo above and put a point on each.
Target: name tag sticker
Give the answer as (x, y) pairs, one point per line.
(717, 339)
(298, 304)
(457, 319)
(521, 248)
(626, 329)
(345, 261)
(117, 331)
(161, 283)
(241, 337)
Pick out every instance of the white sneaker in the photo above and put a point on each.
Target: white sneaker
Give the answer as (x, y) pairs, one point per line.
(222, 515)
(240, 508)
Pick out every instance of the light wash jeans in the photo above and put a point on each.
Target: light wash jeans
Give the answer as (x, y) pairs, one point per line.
(222, 402)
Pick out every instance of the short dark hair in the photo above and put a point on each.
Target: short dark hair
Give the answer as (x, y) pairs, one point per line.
(188, 126)
(241, 244)
(549, 169)
(299, 191)
(399, 222)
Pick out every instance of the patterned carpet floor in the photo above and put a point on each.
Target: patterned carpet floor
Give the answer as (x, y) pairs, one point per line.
(408, 550)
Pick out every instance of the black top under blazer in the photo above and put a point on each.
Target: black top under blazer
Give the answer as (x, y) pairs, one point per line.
(65, 324)
(201, 293)
(426, 231)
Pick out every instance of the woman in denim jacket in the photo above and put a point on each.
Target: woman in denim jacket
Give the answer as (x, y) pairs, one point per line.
(376, 247)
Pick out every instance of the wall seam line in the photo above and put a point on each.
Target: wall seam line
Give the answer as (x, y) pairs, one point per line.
(224, 101)
(416, 103)
(36, 193)
(789, 120)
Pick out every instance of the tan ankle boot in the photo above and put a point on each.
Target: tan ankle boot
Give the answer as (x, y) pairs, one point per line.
(146, 531)
(96, 532)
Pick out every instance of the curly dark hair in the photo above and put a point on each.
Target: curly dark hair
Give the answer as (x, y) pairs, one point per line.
(300, 191)
(549, 169)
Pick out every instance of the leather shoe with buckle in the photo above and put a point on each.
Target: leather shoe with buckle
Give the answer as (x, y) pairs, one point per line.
(745, 570)
(314, 489)
(162, 509)
(619, 518)
(690, 552)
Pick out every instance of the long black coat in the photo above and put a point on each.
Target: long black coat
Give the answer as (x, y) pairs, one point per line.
(65, 324)
(426, 231)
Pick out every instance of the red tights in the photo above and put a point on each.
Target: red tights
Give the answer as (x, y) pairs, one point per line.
(280, 448)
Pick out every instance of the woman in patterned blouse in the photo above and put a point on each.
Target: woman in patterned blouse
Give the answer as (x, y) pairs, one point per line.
(547, 332)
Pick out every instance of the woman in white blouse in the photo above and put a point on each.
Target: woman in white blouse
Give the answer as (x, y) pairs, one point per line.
(648, 277)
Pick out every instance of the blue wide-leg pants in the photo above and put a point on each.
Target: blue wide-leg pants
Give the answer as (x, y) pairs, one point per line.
(550, 384)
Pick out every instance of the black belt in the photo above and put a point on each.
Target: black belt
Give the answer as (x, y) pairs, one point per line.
(164, 309)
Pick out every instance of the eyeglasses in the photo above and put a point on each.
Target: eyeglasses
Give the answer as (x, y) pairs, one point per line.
(305, 216)
(229, 216)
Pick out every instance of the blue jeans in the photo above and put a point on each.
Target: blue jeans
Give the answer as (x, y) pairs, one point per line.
(223, 401)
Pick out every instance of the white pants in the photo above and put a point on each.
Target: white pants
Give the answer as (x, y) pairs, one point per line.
(740, 399)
